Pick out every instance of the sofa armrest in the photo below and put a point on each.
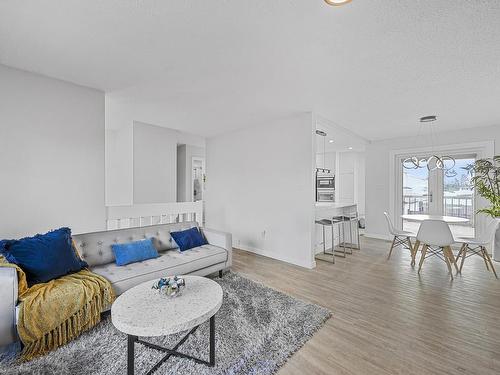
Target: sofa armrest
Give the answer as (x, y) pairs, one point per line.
(221, 239)
(8, 302)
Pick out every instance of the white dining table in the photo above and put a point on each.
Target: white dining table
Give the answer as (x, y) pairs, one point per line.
(447, 219)
(422, 217)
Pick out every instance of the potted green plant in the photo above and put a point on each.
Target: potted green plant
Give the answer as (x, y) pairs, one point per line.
(486, 180)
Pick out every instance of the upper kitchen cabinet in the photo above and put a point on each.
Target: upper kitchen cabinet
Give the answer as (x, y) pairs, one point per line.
(326, 160)
(351, 177)
(342, 152)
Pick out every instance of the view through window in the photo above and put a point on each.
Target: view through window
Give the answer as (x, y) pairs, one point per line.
(439, 193)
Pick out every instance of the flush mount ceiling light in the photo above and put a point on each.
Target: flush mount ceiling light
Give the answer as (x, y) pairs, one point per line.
(428, 118)
(337, 2)
(330, 141)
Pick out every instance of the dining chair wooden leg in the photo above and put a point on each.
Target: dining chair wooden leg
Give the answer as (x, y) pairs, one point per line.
(446, 257)
(451, 257)
(392, 247)
(415, 251)
(410, 246)
(460, 252)
(465, 247)
(491, 263)
(446, 253)
(422, 257)
(484, 257)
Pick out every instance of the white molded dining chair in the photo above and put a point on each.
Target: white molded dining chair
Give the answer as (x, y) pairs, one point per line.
(436, 237)
(401, 237)
(477, 246)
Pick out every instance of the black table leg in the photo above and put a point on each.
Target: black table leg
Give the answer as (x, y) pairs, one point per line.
(212, 341)
(130, 354)
(170, 352)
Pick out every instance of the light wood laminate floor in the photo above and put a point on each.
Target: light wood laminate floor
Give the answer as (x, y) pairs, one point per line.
(387, 319)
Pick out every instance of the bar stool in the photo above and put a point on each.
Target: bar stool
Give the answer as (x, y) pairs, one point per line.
(331, 223)
(352, 218)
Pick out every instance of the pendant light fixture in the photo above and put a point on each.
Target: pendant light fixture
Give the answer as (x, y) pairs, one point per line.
(337, 3)
(322, 170)
(433, 162)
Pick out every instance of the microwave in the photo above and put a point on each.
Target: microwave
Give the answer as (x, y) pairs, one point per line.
(325, 182)
(325, 195)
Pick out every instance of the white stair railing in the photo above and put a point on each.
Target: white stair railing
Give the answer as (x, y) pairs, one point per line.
(140, 215)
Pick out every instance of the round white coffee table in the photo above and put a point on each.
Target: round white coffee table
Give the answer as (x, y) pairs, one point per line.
(143, 311)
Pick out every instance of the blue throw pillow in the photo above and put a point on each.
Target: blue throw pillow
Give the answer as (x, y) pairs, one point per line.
(45, 256)
(136, 251)
(188, 239)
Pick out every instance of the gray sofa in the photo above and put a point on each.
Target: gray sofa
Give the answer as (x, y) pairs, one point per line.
(95, 249)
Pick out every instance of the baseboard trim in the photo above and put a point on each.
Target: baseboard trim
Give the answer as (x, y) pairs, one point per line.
(267, 254)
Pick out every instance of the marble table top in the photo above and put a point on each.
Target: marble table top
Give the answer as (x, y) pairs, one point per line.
(142, 311)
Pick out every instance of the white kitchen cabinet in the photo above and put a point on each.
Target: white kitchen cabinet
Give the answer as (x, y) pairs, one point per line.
(329, 161)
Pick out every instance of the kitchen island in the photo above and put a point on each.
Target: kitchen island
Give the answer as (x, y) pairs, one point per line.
(327, 210)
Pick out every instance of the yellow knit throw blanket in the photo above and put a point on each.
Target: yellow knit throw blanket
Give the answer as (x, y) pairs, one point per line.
(53, 313)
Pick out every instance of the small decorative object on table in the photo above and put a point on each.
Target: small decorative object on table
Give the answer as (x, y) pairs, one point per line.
(170, 286)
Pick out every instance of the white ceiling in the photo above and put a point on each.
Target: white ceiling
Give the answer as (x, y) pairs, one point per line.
(337, 138)
(373, 66)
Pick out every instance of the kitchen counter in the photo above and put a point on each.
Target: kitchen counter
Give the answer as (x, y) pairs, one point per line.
(326, 210)
(333, 205)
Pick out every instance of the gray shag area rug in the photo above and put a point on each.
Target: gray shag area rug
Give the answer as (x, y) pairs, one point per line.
(257, 329)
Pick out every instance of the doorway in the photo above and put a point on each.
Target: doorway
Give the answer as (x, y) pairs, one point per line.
(197, 179)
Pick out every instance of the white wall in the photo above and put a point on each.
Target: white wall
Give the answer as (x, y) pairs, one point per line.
(126, 172)
(155, 164)
(378, 170)
(260, 188)
(51, 155)
(119, 166)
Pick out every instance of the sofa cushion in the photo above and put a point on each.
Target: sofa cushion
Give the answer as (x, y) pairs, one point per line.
(135, 251)
(43, 257)
(168, 263)
(189, 239)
